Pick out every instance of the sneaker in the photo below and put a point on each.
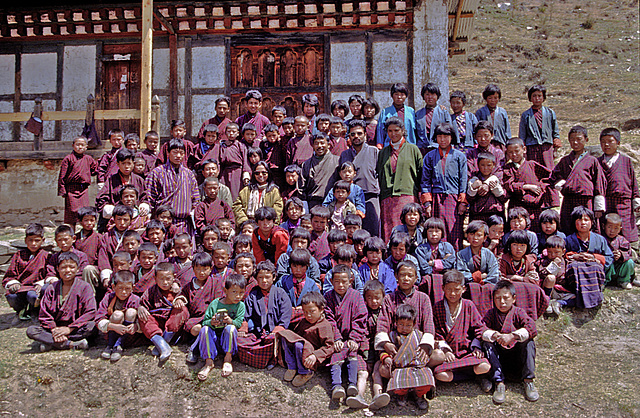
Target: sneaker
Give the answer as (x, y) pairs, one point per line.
(352, 390)
(500, 394)
(301, 379)
(338, 393)
(626, 286)
(401, 400)
(422, 403)
(289, 375)
(44, 348)
(379, 401)
(549, 310)
(636, 282)
(530, 391)
(79, 345)
(485, 385)
(106, 353)
(555, 307)
(116, 354)
(191, 358)
(356, 402)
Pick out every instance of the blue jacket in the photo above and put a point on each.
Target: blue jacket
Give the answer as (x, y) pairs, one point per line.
(470, 122)
(409, 124)
(533, 241)
(277, 312)
(423, 254)
(440, 115)
(386, 276)
(501, 127)
(529, 131)
(452, 181)
(597, 245)
(286, 283)
(356, 196)
(357, 281)
(488, 264)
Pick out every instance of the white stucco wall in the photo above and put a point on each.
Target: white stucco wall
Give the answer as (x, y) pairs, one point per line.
(348, 63)
(78, 81)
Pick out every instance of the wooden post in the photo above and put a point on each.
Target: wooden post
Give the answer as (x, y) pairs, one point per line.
(155, 114)
(37, 113)
(147, 67)
(88, 119)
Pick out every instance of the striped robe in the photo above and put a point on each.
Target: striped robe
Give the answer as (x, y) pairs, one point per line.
(387, 318)
(409, 372)
(143, 281)
(88, 245)
(198, 300)
(167, 186)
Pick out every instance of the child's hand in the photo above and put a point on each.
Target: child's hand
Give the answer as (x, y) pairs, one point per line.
(493, 244)
(14, 288)
(505, 340)
(179, 303)
(532, 188)
(38, 289)
(483, 190)
(118, 328)
(106, 282)
(338, 346)
(143, 313)
(59, 334)
(227, 319)
(131, 329)
(557, 142)
(388, 362)
(310, 361)
(390, 349)
(449, 357)
(428, 209)
(476, 184)
(484, 276)
(477, 353)
(516, 278)
(352, 346)
(617, 254)
(462, 208)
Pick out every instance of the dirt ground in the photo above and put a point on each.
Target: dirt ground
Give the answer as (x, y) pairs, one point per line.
(588, 363)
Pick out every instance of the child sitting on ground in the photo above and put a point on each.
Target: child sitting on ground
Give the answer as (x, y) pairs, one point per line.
(299, 238)
(297, 284)
(212, 208)
(552, 268)
(518, 219)
(549, 224)
(496, 232)
(345, 255)
(509, 343)
(245, 265)
(517, 263)
(399, 245)
(435, 255)
(477, 263)
(116, 316)
(144, 273)
(622, 270)
(220, 326)
(269, 241)
(375, 268)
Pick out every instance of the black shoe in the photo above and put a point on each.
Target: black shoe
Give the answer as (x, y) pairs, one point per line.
(500, 394)
(485, 385)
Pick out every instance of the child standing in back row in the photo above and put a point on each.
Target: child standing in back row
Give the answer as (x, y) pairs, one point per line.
(76, 170)
(495, 115)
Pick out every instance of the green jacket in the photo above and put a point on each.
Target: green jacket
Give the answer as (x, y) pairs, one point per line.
(272, 199)
(406, 180)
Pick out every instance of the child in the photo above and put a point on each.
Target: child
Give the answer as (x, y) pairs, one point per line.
(210, 235)
(274, 152)
(182, 245)
(549, 224)
(291, 189)
(345, 256)
(203, 150)
(293, 210)
(459, 328)
(131, 241)
(160, 314)
(139, 165)
(519, 219)
(465, 122)
(374, 269)
(220, 326)
(254, 154)
(622, 270)
(352, 223)
(589, 256)
(310, 105)
(112, 240)
(323, 123)
(347, 313)
(310, 343)
(221, 253)
(429, 117)
(212, 208)
(341, 206)
(477, 263)
(339, 109)
(522, 179)
(247, 227)
(406, 367)
(116, 315)
(145, 272)
(337, 141)
(398, 250)
(260, 192)
(67, 310)
(356, 194)
(496, 234)
(435, 255)
(355, 106)
(319, 246)
(305, 222)
(155, 234)
(164, 214)
(177, 132)
(444, 184)
(399, 94)
(287, 132)
(231, 154)
(580, 179)
(539, 130)
(517, 263)
(373, 293)
(226, 230)
(412, 217)
(245, 265)
(508, 343)
(64, 239)
(132, 142)
(495, 115)
(485, 194)
(222, 108)
(150, 152)
(76, 170)
(24, 279)
(336, 238)
(298, 239)
(278, 113)
(268, 311)
(110, 194)
(299, 148)
(211, 168)
(319, 171)
(242, 244)
(87, 239)
(297, 284)
(622, 188)
(197, 295)
(128, 196)
(358, 238)
(107, 163)
(370, 110)
(552, 269)
(248, 137)
(483, 135)
(253, 115)
(269, 241)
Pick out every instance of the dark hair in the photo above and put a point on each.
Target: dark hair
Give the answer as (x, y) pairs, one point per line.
(356, 98)
(265, 213)
(370, 101)
(155, 224)
(319, 135)
(293, 201)
(293, 168)
(342, 185)
(345, 253)
(555, 241)
(336, 120)
(151, 134)
(210, 228)
(322, 117)
(235, 279)
(452, 276)
(341, 268)
(483, 124)
(549, 216)
(320, 211)
(579, 129)
(458, 95)
(311, 100)
(399, 88)
(487, 156)
(122, 255)
(406, 263)
(613, 218)
(495, 220)
(313, 298)
(300, 233)
(278, 108)
(445, 129)
(115, 132)
(490, 90)
(132, 137)
(241, 239)
(202, 259)
(211, 128)
(399, 238)
(300, 257)
(435, 223)
(393, 120)
(126, 187)
(251, 222)
(175, 143)
(360, 236)
(124, 276)
(337, 235)
(124, 154)
(266, 266)
(431, 88)
(412, 207)
(221, 221)
(166, 266)
(63, 229)
(611, 132)
(245, 255)
(288, 120)
(515, 141)
(148, 247)
(222, 99)
(340, 104)
(132, 234)
(374, 244)
(504, 284)
(248, 127)
(373, 286)
(406, 312)
(578, 212)
(210, 180)
(475, 226)
(537, 87)
(87, 211)
(348, 164)
(517, 237)
(220, 245)
(352, 220)
(210, 161)
(517, 212)
(68, 256)
(177, 122)
(357, 123)
(272, 127)
(121, 210)
(253, 94)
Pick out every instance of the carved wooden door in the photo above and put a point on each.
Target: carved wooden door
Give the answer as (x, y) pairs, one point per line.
(121, 84)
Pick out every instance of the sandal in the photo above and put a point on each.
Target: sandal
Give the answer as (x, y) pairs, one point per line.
(227, 369)
(203, 374)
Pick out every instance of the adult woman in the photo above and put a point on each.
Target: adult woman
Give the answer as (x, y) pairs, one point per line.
(400, 171)
(260, 191)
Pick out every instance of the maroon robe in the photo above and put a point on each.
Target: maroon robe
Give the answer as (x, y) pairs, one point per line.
(622, 188)
(143, 281)
(529, 172)
(183, 271)
(158, 305)
(513, 320)
(73, 183)
(472, 157)
(76, 311)
(200, 155)
(424, 317)
(88, 245)
(27, 269)
(527, 268)
(483, 207)
(337, 145)
(258, 120)
(198, 300)
(318, 339)
(163, 155)
(319, 246)
(109, 244)
(110, 193)
(348, 316)
(208, 212)
(299, 149)
(220, 123)
(275, 157)
(107, 165)
(234, 162)
(52, 263)
(106, 308)
(150, 160)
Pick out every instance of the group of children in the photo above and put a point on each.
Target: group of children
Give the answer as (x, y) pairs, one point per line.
(249, 244)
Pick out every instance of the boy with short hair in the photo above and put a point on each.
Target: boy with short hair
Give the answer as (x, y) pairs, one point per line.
(336, 238)
(112, 240)
(483, 135)
(495, 115)
(375, 269)
(485, 193)
(182, 245)
(552, 268)
(76, 170)
(298, 239)
(508, 342)
(341, 206)
(352, 223)
(465, 122)
(550, 226)
(337, 141)
(622, 271)
(253, 115)
(399, 93)
(116, 315)
(67, 310)
(477, 263)
(226, 230)
(319, 246)
(26, 269)
(319, 172)
(107, 163)
(310, 343)
(150, 151)
(299, 148)
(88, 239)
(358, 239)
(269, 240)
(132, 142)
(429, 117)
(220, 326)
(273, 150)
(345, 255)
(287, 132)
(212, 208)
(145, 272)
(64, 238)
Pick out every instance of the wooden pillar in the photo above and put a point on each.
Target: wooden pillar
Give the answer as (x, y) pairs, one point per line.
(173, 76)
(155, 113)
(147, 67)
(37, 113)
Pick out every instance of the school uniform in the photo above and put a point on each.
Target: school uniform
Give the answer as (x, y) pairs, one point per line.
(201, 152)
(198, 300)
(416, 239)
(88, 244)
(27, 269)
(499, 120)
(299, 149)
(208, 212)
(183, 271)
(586, 279)
(258, 120)
(296, 290)
(410, 372)
(283, 267)
(472, 268)
(426, 121)
(515, 176)
(483, 207)
(221, 123)
(163, 317)
(444, 184)
(529, 297)
(319, 246)
(526, 268)
(337, 145)
(534, 247)
(108, 305)
(444, 257)
(465, 123)
(304, 340)
(110, 193)
(384, 274)
(357, 283)
(150, 160)
(143, 280)
(107, 165)
(407, 115)
(163, 155)
(356, 196)
(52, 263)
(109, 244)
(275, 157)
(472, 157)
(73, 183)
(542, 239)
(538, 132)
(234, 163)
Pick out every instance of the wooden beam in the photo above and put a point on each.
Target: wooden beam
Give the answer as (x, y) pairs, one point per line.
(56, 115)
(173, 76)
(456, 23)
(147, 65)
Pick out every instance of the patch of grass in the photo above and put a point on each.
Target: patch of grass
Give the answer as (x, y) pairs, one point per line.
(588, 23)
(6, 369)
(111, 412)
(553, 329)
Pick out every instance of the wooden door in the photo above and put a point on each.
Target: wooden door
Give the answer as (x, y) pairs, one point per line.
(121, 84)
